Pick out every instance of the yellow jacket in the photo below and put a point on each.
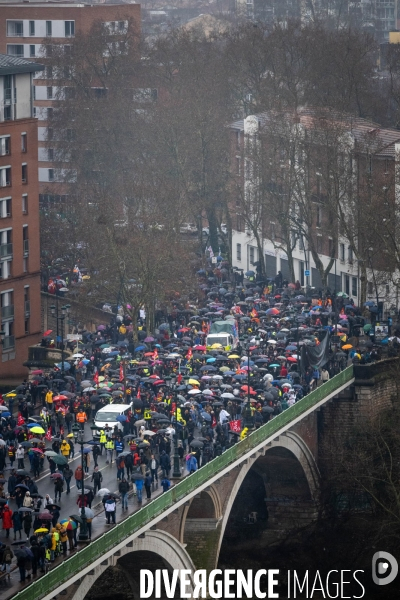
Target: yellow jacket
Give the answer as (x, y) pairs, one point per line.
(65, 449)
(244, 433)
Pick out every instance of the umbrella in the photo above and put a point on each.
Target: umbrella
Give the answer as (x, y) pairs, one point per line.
(22, 485)
(137, 477)
(122, 418)
(42, 530)
(38, 429)
(103, 492)
(347, 347)
(196, 444)
(51, 453)
(69, 524)
(45, 516)
(53, 507)
(76, 518)
(55, 475)
(23, 473)
(60, 460)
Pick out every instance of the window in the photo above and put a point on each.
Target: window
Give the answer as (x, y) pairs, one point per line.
(239, 251)
(293, 239)
(50, 154)
(5, 208)
(331, 247)
(5, 145)
(49, 29)
(252, 254)
(15, 28)
(49, 50)
(272, 231)
(354, 286)
(23, 142)
(31, 28)
(238, 165)
(319, 244)
(370, 288)
(69, 93)
(70, 135)
(67, 50)
(32, 51)
(49, 113)
(341, 252)
(239, 223)
(67, 73)
(25, 240)
(15, 50)
(350, 255)
(319, 215)
(26, 326)
(25, 204)
(6, 247)
(50, 133)
(238, 138)
(121, 26)
(7, 305)
(51, 174)
(69, 28)
(49, 73)
(24, 173)
(49, 93)
(5, 176)
(347, 284)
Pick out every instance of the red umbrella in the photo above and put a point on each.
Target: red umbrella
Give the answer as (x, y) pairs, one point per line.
(48, 332)
(272, 311)
(153, 377)
(45, 516)
(59, 398)
(37, 450)
(201, 348)
(38, 372)
(245, 388)
(292, 359)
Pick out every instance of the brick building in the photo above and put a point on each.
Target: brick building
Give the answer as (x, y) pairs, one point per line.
(24, 28)
(19, 216)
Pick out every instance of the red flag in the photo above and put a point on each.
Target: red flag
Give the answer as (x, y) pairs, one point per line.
(96, 378)
(138, 393)
(20, 419)
(213, 422)
(48, 434)
(235, 426)
(189, 354)
(61, 430)
(121, 373)
(179, 378)
(155, 354)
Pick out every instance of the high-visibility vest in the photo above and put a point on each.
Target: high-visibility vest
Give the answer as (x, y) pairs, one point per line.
(103, 437)
(110, 445)
(81, 417)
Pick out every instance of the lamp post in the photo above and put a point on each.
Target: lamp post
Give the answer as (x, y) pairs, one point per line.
(176, 473)
(83, 531)
(65, 312)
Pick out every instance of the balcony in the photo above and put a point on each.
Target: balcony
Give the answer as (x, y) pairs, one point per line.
(7, 312)
(26, 247)
(8, 342)
(6, 250)
(27, 308)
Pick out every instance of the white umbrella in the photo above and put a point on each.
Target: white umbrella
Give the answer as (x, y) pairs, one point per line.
(77, 355)
(86, 383)
(207, 392)
(106, 350)
(4, 408)
(271, 341)
(194, 391)
(90, 389)
(103, 492)
(217, 377)
(228, 396)
(2, 443)
(148, 432)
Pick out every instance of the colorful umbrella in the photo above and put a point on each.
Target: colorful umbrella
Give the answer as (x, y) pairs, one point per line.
(69, 523)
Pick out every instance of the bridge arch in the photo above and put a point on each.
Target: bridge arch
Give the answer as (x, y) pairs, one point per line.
(156, 542)
(206, 505)
(290, 443)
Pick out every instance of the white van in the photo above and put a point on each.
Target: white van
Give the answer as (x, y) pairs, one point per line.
(108, 415)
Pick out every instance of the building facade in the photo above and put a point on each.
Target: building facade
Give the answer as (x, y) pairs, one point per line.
(281, 210)
(19, 216)
(25, 28)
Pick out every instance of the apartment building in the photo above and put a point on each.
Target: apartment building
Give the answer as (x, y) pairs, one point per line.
(281, 208)
(24, 28)
(19, 216)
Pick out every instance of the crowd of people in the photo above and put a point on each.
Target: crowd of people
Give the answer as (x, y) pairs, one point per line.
(180, 395)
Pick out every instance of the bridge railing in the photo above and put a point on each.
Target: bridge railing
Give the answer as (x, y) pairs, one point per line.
(145, 515)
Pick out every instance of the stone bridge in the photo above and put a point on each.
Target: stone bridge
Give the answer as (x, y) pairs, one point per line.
(270, 481)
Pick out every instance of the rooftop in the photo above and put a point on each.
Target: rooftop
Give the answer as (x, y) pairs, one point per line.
(10, 65)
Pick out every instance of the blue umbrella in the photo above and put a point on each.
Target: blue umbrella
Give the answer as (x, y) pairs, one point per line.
(123, 343)
(122, 418)
(140, 348)
(274, 366)
(33, 425)
(206, 416)
(211, 360)
(67, 366)
(85, 361)
(249, 274)
(113, 353)
(163, 326)
(240, 377)
(229, 373)
(369, 303)
(5, 414)
(246, 362)
(87, 450)
(291, 348)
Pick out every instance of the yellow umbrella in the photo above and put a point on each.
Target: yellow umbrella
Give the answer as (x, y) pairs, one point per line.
(37, 430)
(10, 395)
(41, 530)
(101, 378)
(194, 382)
(215, 346)
(70, 435)
(234, 356)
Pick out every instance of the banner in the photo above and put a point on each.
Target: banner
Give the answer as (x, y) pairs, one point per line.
(121, 373)
(235, 426)
(48, 434)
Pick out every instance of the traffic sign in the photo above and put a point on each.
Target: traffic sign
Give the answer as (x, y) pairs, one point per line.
(307, 273)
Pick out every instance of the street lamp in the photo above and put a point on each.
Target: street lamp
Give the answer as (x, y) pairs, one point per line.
(54, 312)
(83, 531)
(176, 473)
